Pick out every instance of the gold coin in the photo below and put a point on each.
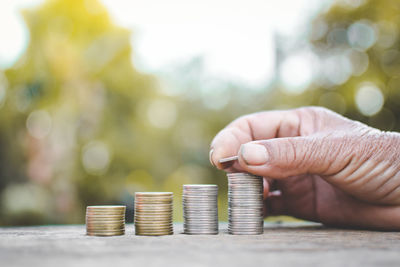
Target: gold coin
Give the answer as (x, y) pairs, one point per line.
(154, 225)
(105, 212)
(165, 210)
(153, 203)
(106, 230)
(154, 197)
(105, 223)
(169, 218)
(155, 218)
(153, 194)
(163, 229)
(152, 211)
(155, 233)
(153, 221)
(153, 206)
(90, 229)
(105, 215)
(106, 208)
(97, 233)
(98, 213)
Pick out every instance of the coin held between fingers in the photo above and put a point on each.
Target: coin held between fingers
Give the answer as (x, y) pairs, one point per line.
(229, 159)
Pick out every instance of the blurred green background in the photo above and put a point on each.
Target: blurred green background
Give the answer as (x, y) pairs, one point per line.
(82, 124)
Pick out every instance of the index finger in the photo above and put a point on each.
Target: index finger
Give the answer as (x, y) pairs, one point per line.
(252, 127)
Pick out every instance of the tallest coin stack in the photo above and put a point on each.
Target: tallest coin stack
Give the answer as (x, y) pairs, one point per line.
(245, 200)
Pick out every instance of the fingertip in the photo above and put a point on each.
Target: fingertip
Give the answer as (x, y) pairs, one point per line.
(225, 144)
(254, 154)
(210, 158)
(215, 156)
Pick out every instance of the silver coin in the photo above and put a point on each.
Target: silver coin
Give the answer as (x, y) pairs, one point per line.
(204, 200)
(245, 233)
(200, 207)
(204, 221)
(199, 227)
(201, 219)
(106, 207)
(201, 233)
(193, 228)
(201, 216)
(245, 224)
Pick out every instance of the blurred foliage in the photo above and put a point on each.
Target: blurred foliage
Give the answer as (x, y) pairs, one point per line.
(361, 39)
(353, 48)
(81, 126)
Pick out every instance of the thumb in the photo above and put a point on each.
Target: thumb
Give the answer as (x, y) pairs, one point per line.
(285, 157)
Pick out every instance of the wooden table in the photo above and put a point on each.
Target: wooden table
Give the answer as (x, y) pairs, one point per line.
(295, 244)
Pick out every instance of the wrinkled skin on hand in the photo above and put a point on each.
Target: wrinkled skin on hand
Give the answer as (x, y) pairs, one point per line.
(328, 168)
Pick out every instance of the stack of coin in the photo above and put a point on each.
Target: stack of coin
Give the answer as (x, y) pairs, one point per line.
(105, 220)
(245, 201)
(200, 209)
(153, 213)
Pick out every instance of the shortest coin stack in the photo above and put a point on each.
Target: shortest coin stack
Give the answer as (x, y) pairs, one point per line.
(153, 213)
(105, 220)
(200, 209)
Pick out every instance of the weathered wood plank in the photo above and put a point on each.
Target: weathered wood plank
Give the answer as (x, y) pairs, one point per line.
(281, 245)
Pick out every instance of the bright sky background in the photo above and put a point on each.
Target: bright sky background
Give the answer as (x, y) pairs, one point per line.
(234, 37)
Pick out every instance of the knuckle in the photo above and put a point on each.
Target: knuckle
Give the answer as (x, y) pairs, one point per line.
(290, 126)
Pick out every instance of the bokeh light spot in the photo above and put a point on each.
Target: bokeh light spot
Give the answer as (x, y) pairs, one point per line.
(337, 69)
(162, 113)
(361, 35)
(369, 99)
(26, 197)
(296, 74)
(96, 157)
(359, 62)
(39, 124)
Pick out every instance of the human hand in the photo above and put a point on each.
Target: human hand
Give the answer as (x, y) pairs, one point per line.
(328, 168)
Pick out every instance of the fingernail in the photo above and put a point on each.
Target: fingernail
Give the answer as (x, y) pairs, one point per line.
(210, 157)
(254, 154)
